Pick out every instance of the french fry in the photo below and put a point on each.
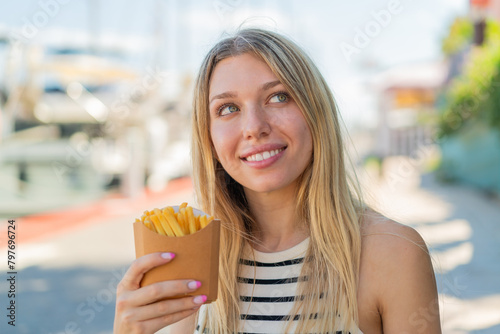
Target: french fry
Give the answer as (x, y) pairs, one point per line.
(150, 226)
(182, 221)
(186, 221)
(191, 220)
(174, 224)
(157, 225)
(203, 221)
(164, 223)
(197, 222)
(185, 214)
(165, 212)
(153, 228)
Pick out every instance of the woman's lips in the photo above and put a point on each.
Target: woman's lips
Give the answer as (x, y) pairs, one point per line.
(264, 159)
(263, 155)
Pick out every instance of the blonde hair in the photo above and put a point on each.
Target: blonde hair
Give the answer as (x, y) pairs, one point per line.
(325, 199)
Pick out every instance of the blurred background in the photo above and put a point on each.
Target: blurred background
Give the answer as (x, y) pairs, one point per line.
(95, 101)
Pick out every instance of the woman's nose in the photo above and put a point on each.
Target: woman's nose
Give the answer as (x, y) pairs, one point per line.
(255, 123)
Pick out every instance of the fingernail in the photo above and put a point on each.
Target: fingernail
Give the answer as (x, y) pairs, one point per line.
(168, 256)
(200, 299)
(194, 285)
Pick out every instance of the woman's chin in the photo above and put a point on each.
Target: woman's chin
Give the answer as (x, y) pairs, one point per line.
(269, 188)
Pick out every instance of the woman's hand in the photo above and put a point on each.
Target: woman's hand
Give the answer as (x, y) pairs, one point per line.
(141, 310)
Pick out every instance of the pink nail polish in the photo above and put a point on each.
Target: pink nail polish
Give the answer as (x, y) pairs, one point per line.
(194, 285)
(168, 256)
(200, 299)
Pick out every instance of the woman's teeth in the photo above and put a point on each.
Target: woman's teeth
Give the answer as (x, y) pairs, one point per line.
(263, 155)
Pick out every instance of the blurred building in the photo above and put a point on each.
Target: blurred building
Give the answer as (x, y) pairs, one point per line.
(406, 100)
(485, 8)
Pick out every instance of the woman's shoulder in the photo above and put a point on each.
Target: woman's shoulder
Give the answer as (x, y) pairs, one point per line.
(386, 234)
(396, 274)
(389, 247)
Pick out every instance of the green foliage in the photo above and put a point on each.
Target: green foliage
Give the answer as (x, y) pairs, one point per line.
(461, 32)
(475, 94)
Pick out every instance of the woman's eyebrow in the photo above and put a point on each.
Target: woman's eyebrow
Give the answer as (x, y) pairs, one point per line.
(223, 96)
(269, 85)
(264, 87)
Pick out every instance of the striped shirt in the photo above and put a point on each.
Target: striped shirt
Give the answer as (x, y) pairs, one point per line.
(268, 288)
(268, 284)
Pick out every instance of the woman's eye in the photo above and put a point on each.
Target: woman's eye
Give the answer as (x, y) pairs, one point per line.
(279, 98)
(225, 110)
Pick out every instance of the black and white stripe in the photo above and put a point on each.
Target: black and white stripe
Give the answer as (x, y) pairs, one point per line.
(268, 288)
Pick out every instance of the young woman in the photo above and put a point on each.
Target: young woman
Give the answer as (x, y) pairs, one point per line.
(300, 253)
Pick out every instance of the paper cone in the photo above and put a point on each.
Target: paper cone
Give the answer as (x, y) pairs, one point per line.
(196, 257)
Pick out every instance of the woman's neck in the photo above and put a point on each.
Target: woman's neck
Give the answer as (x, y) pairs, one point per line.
(277, 226)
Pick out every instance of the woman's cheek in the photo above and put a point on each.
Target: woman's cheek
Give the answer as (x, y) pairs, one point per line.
(221, 147)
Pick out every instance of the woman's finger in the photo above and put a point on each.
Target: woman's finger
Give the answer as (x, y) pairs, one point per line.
(157, 291)
(154, 325)
(165, 307)
(132, 278)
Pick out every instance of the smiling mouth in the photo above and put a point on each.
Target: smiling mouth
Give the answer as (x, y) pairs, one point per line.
(264, 155)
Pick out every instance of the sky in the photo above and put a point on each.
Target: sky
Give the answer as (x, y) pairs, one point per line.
(348, 40)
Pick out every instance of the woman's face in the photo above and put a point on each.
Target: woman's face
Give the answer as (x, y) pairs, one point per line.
(259, 133)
